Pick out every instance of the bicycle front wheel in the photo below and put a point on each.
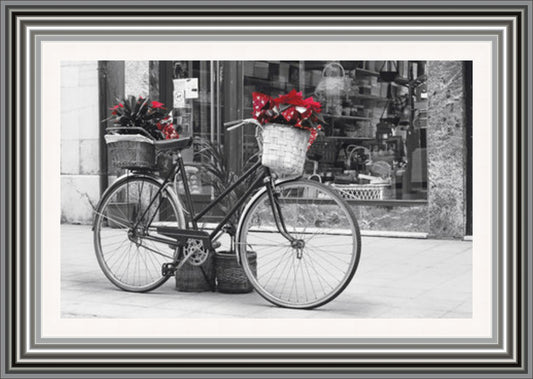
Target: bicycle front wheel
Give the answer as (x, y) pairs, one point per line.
(125, 226)
(319, 262)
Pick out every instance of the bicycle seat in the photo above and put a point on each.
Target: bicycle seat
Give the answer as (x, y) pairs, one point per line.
(173, 144)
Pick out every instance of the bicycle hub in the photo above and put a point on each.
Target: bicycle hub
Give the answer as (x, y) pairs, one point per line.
(298, 245)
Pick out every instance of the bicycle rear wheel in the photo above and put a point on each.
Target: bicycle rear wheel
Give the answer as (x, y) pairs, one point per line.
(319, 264)
(126, 255)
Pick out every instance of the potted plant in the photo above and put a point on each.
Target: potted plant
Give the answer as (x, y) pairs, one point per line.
(143, 113)
(215, 172)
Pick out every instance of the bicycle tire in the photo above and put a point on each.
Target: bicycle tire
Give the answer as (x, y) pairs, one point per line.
(309, 209)
(116, 247)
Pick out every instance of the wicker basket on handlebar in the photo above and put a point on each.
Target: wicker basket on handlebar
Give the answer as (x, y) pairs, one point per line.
(284, 148)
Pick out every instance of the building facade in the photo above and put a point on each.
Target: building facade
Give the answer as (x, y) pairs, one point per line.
(407, 123)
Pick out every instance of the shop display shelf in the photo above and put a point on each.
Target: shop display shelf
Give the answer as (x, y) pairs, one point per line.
(368, 97)
(345, 138)
(367, 72)
(360, 118)
(269, 82)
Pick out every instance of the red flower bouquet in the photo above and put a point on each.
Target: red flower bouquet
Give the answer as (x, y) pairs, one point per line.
(290, 109)
(290, 126)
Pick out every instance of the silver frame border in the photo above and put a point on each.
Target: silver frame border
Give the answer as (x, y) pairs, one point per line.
(506, 24)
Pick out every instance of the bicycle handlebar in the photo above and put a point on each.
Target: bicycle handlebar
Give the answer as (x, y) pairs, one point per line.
(230, 125)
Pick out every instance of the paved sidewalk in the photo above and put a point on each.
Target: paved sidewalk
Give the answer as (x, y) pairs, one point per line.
(396, 278)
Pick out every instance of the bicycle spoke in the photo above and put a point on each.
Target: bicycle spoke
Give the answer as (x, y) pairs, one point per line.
(327, 262)
(333, 254)
(281, 274)
(300, 264)
(276, 267)
(156, 252)
(270, 254)
(121, 222)
(319, 276)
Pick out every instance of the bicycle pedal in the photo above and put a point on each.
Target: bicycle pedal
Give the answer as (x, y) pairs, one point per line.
(168, 269)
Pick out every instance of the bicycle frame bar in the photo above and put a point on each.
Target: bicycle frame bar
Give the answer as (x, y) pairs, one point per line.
(180, 167)
(276, 210)
(237, 205)
(188, 198)
(227, 191)
(163, 185)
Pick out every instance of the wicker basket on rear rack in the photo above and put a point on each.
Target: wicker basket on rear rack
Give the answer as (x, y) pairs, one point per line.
(136, 151)
(131, 151)
(284, 148)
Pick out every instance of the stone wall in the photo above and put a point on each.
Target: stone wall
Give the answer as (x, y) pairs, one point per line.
(392, 218)
(80, 127)
(79, 141)
(136, 78)
(446, 149)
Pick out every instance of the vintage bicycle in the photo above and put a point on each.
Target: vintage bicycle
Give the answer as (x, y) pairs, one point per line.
(305, 236)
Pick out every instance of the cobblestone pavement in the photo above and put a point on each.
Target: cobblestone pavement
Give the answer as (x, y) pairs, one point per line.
(396, 278)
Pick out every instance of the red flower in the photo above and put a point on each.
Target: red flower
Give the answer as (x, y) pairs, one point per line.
(314, 106)
(114, 109)
(293, 98)
(157, 104)
(291, 114)
(170, 132)
(262, 102)
(296, 98)
(117, 106)
(161, 124)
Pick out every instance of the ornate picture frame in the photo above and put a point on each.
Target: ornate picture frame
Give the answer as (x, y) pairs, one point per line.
(504, 28)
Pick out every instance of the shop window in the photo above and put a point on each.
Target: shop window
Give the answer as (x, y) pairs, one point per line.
(373, 145)
(374, 141)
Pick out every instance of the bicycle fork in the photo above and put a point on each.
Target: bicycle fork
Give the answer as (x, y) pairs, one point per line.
(273, 196)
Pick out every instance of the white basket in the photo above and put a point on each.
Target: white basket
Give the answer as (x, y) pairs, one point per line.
(332, 85)
(284, 148)
(361, 191)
